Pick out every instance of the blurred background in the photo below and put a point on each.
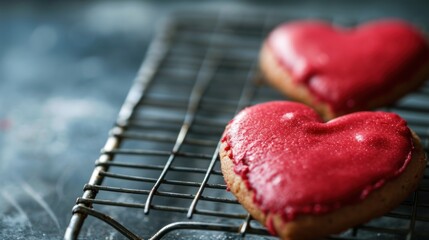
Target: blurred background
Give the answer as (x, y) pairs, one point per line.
(65, 69)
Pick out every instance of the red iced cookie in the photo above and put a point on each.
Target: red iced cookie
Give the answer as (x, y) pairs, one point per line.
(303, 178)
(341, 70)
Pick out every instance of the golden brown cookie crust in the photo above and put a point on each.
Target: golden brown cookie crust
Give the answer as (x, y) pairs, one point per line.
(307, 226)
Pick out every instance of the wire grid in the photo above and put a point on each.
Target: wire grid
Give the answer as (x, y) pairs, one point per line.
(159, 171)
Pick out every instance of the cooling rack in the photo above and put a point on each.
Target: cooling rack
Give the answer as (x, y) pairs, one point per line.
(158, 175)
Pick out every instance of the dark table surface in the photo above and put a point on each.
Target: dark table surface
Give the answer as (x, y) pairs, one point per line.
(65, 69)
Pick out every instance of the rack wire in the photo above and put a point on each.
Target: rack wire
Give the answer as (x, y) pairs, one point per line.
(158, 175)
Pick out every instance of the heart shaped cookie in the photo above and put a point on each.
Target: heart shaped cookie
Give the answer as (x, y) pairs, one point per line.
(304, 178)
(340, 70)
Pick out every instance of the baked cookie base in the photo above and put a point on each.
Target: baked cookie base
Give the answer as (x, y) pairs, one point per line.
(307, 226)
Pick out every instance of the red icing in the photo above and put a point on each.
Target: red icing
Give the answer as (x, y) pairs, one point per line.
(346, 67)
(269, 223)
(296, 164)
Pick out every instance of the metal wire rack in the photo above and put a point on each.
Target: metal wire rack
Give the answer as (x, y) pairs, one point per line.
(158, 175)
